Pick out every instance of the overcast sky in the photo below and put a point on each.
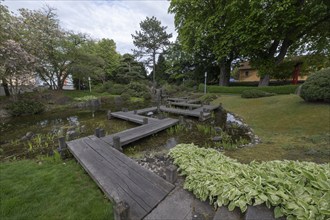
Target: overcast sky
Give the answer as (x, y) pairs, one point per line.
(111, 19)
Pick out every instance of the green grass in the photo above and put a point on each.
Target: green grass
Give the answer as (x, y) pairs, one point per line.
(50, 190)
(289, 128)
(76, 94)
(287, 89)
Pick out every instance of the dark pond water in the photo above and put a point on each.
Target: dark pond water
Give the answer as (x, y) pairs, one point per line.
(30, 136)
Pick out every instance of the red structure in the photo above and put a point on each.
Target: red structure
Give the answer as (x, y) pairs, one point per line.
(296, 73)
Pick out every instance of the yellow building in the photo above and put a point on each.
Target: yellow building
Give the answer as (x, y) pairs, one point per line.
(248, 74)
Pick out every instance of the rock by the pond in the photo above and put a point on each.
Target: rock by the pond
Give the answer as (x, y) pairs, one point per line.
(218, 129)
(217, 139)
(224, 214)
(28, 136)
(72, 135)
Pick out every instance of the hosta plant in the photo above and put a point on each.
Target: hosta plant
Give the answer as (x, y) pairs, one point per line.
(297, 190)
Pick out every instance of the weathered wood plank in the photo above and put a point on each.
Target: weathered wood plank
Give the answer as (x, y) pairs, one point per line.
(133, 134)
(120, 177)
(193, 113)
(184, 104)
(130, 116)
(94, 166)
(154, 184)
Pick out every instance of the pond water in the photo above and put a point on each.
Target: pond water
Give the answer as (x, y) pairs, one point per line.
(30, 136)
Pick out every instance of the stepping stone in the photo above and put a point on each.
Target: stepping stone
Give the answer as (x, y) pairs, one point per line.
(260, 212)
(224, 214)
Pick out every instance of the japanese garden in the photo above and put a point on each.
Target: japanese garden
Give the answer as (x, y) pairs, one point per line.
(227, 117)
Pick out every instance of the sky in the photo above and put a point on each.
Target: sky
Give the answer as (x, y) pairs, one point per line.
(112, 19)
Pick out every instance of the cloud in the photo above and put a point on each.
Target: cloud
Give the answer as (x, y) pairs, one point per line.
(116, 20)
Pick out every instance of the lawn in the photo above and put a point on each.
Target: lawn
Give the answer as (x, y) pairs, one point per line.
(289, 128)
(50, 190)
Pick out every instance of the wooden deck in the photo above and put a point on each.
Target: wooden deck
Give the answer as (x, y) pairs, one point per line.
(119, 177)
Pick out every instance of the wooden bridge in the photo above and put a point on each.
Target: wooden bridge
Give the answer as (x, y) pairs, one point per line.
(134, 190)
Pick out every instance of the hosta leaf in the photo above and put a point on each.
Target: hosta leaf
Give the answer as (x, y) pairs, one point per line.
(278, 212)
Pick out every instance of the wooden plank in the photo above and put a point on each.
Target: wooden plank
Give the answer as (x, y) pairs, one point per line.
(119, 177)
(193, 113)
(98, 169)
(184, 104)
(177, 99)
(128, 163)
(145, 110)
(133, 134)
(129, 116)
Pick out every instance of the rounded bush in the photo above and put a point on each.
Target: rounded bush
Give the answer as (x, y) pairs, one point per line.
(25, 107)
(317, 87)
(254, 93)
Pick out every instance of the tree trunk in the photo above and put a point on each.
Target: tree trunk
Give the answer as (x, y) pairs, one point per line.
(5, 86)
(154, 69)
(224, 73)
(264, 81)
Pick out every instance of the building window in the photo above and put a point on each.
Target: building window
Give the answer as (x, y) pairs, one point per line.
(246, 73)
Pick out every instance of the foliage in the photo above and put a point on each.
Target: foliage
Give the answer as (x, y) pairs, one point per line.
(264, 33)
(287, 89)
(46, 189)
(137, 89)
(151, 40)
(296, 189)
(25, 107)
(85, 98)
(254, 93)
(317, 87)
(18, 66)
(125, 96)
(207, 98)
(129, 70)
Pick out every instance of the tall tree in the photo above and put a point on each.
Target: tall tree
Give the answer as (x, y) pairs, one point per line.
(54, 48)
(272, 27)
(204, 28)
(18, 67)
(129, 69)
(151, 40)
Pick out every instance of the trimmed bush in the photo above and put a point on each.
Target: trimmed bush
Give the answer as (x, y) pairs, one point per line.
(140, 90)
(207, 98)
(317, 87)
(254, 93)
(25, 107)
(288, 89)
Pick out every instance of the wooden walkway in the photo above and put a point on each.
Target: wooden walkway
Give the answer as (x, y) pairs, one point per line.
(119, 177)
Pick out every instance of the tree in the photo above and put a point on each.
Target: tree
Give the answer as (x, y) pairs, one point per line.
(129, 69)
(204, 28)
(161, 69)
(151, 40)
(271, 28)
(55, 49)
(106, 49)
(18, 66)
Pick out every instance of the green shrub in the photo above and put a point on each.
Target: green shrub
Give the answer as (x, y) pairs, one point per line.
(207, 98)
(317, 87)
(140, 90)
(288, 89)
(25, 107)
(254, 93)
(125, 96)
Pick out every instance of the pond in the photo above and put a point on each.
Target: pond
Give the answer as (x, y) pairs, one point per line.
(31, 136)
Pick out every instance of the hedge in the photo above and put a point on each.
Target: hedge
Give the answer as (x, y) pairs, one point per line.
(288, 89)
